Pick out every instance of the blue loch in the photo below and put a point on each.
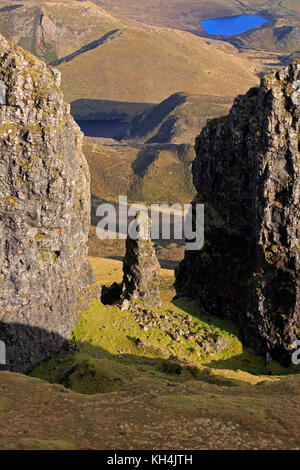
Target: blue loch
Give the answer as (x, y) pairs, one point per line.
(233, 25)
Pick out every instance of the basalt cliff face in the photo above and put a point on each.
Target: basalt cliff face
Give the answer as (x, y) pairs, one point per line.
(246, 172)
(44, 212)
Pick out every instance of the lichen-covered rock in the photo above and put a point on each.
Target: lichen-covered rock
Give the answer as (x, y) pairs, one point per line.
(246, 171)
(44, 212)
(141, 267)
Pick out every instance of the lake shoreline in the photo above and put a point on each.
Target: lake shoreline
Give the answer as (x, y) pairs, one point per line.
(233, 25)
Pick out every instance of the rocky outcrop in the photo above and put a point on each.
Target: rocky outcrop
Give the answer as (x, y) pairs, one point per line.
(140, 266)
(246, 172)
(44, 212)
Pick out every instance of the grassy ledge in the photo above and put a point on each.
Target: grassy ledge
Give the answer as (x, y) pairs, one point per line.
(109, 348)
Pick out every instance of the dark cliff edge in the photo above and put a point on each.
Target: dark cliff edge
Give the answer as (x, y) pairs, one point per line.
(45, 277)
(246, 172)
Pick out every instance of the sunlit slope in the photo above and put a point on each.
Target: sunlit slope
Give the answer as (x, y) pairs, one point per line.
(149, 173)
(52, 30)
(168, 393)
(182, 14)
(187, 14)
(178, 119)
(282, 35)
(150, 414)
(149, 65)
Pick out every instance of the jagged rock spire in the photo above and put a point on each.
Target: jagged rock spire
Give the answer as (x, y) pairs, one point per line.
(44, 212)
(141, 267)
(247, 173)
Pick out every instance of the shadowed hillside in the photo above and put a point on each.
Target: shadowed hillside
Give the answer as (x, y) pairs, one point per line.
(147, 66)
(183, 14)
(153, 173)
(150, 173)
(178, 119)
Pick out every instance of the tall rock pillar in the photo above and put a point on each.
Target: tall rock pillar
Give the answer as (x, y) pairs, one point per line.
(141, 267)
(44, 212)
(247, 173)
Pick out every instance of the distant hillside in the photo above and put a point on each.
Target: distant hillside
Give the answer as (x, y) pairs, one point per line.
(182, 14)
(295, 55)
(282, 35)
(148, 65)
(150, 165)
(148, 173)
(52, 30)
(187, 14)
(178, 119)
(154, 173)
(152, 161)
(110, 70)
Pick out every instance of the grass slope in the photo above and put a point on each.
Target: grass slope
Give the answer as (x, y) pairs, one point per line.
(187, 14)
(281, 36)
(167, 394)
(149, 413)
(113, 348)
(153, 173)
(52, 30)
(110, 167)
(148, 65)
(178, 119)
(112, 70)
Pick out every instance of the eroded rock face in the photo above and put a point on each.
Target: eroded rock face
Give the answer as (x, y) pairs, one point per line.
(246, 171)
(141, 268)
(44, 212)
